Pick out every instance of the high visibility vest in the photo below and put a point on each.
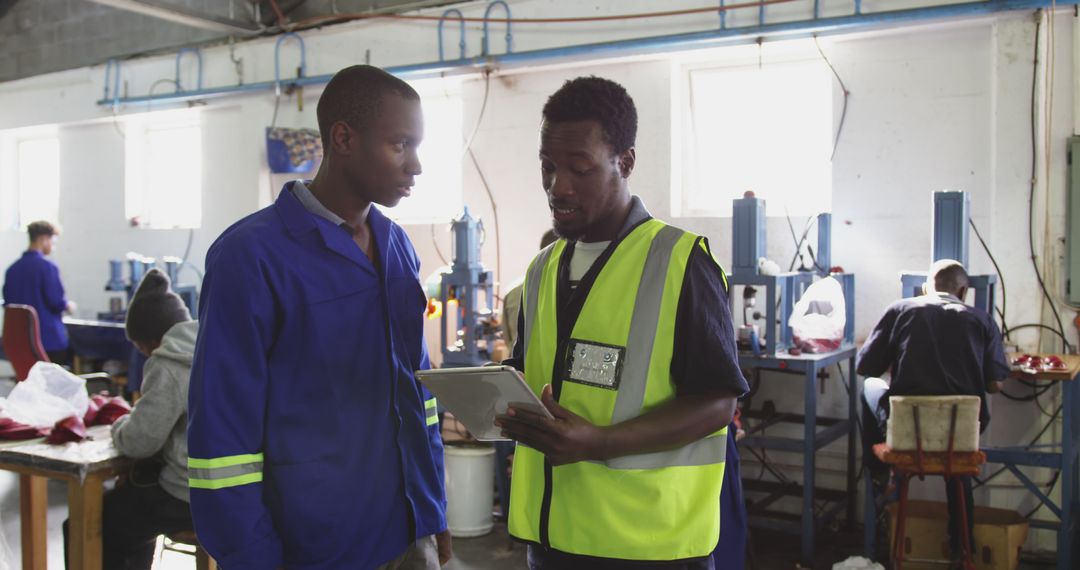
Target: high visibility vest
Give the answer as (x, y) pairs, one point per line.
(615, 366)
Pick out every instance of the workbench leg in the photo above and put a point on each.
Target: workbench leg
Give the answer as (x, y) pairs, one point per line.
(809, 449)
(1067, 535)
(853, 434)
(33, 504)
(84, 514)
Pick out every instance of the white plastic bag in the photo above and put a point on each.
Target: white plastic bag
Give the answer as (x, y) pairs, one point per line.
(818, 320)
(48, 395)
(857, 563)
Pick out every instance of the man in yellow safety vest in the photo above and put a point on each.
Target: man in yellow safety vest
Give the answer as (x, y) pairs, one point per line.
(626, 334)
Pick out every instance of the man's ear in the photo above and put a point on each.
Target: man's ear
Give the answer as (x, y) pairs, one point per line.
(962, 293)
(925, 289)
(626, 162)
(341, 135)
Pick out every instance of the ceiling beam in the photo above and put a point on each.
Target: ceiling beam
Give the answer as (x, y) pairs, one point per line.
(185, 16)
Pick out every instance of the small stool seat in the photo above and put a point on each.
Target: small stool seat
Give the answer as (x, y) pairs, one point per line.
(933, 462)
(203, 561)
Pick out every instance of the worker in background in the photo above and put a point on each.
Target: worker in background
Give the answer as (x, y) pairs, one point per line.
(153, 498)
(35, 281)
(628, 340)
(312, 444)
(933, 345)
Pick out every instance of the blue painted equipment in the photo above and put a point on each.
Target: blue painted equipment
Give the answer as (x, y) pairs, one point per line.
(949, 240)
(138, 266)
(469, 341)
(783, 290)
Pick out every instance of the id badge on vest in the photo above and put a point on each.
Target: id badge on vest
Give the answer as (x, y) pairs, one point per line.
(595, 364)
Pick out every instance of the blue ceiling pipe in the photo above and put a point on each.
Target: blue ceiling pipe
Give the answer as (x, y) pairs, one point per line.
(657, 44)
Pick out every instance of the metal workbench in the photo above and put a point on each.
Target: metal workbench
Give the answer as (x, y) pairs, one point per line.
(817, 433)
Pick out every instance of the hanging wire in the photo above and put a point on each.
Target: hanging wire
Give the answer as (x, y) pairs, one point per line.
(844, 89)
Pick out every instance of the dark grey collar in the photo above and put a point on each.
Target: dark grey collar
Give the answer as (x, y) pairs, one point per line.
(312, 204)
(638, 214)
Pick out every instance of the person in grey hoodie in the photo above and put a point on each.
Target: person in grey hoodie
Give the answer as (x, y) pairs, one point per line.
(151, 502)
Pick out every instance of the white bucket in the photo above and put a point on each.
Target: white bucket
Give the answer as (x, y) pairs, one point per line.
(470, 483)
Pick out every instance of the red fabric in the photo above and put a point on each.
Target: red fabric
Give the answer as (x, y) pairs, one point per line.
(22, 339)
(68, 429)
(111, 411)
(13, 430)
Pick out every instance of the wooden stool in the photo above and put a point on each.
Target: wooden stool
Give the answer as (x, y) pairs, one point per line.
(202, 559)
(949, 464)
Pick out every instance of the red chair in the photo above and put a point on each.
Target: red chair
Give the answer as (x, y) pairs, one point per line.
(22, 339)
(23, 348)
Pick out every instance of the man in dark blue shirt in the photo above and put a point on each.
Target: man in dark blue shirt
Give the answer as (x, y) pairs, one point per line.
(933, 345)
(35, 281)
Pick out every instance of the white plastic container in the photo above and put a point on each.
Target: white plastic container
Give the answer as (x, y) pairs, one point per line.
(935, 414)
(470, 483)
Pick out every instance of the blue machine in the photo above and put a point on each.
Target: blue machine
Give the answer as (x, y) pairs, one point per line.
(782, 290)
(949, 240)
(472, 335)
(138, 266)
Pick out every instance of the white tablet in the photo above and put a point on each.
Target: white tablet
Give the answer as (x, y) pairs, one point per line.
(476, 395)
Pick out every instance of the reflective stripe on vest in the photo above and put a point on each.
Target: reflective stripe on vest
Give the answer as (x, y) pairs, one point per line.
(652, 506)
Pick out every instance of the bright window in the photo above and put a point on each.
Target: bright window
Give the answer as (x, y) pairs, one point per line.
(38, 174)
(29, 177)
(163, 168)
(766, 129)
(437, 195)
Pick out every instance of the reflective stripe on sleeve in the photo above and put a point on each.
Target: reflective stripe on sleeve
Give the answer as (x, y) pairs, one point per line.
(222, 472)
(431, 412)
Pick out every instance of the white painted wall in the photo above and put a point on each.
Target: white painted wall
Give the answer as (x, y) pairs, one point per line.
(935, 107)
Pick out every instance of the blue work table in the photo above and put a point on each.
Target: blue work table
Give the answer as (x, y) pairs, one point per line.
(1062, 457)
(105, 340)
(807, 367)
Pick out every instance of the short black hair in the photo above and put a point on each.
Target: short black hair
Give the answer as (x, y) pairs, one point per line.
(354, 94)
(40, 228)
(596, 99)
(949, 276)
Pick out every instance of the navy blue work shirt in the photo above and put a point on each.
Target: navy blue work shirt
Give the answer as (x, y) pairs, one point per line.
(935, 345)
(35, 281)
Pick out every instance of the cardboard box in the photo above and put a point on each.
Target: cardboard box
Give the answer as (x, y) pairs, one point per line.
(999, 534)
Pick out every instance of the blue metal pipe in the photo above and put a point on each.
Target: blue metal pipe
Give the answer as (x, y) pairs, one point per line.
(113, 66)
(277, 59)
(198, 56)
(656, 44)
(723, 16)
(461, 43)
(485, 51)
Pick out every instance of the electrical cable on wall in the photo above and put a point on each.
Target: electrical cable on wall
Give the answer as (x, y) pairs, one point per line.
(844, 89)
(1034, 178)
(1001, 278)
(487, 187)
